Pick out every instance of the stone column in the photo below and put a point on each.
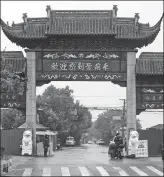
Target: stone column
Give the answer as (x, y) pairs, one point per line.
(31, 97)
(131, 92)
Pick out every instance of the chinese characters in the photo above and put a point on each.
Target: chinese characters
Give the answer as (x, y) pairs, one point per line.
(79, 66)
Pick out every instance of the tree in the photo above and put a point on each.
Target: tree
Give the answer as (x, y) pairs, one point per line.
(81, 123)
(11, 118)
(93, 132)
(15, 84)
(62, 114)
(11, 82)
(107, 127)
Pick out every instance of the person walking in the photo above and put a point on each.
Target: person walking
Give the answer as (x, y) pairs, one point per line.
(161, 149)
(46, 145)
(20, 147)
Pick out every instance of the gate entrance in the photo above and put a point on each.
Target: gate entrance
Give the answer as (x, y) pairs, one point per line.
(81, 46)
(50, 65)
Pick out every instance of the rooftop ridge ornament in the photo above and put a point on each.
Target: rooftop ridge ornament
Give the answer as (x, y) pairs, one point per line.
(137, 17)
(48, 10)
(115, 9)
(25, 17)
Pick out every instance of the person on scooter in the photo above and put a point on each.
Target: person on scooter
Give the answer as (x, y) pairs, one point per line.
(118, 140)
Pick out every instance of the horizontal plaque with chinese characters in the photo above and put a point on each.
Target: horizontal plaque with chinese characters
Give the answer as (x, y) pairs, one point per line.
(99, 66)
(11, 100)
(13, 97)
(149, 97)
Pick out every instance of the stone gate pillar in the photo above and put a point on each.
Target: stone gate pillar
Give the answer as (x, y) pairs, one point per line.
(31, 97)
(131, 92)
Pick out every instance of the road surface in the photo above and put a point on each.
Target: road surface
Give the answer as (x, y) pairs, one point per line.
(87, 160)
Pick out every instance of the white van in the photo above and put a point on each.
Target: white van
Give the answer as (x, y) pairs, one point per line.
(70, 141)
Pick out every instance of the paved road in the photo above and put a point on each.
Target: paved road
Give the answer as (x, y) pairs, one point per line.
(88, 160)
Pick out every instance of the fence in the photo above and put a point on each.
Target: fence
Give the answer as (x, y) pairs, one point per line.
(154, 137)
(10, 140)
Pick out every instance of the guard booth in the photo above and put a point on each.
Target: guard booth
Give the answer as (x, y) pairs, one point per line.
(40, 135)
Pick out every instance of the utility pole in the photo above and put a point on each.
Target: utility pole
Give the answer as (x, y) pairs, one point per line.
(123, 116)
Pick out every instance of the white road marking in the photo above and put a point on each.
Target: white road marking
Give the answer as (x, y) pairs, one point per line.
(27, 172)
(121, 172)
(141, 173)
(84, 171)
(65, 171)
(46, 172)
(102, 171)
(155, 170)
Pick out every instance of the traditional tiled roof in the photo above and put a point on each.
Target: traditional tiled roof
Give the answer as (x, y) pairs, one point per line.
(15, 59)
(150, 63)
(38, 126)
(82, 23)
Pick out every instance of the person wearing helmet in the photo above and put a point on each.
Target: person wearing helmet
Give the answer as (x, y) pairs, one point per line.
(118, 139)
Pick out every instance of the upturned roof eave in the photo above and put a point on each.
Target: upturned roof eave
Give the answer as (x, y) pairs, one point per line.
(11, 33)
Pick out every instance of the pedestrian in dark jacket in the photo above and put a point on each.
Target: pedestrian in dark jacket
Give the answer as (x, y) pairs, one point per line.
(46, 145)
(161, 150)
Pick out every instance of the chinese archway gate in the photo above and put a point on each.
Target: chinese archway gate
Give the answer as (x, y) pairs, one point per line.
(81, 46)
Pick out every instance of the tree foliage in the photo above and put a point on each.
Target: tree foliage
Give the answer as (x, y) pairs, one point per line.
(11, 82)
(105, 127)
(62, 114)
(11, 118)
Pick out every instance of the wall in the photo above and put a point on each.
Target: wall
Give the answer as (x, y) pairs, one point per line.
(10, 140)
(154, 137)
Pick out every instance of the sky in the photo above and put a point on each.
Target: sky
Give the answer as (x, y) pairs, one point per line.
(101, 94)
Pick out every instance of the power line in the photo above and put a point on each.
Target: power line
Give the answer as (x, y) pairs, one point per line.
(99, 96)
(102, 108)
(103, 96)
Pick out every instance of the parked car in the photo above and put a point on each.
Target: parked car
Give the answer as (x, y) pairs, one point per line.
(70, 141)
(90, 142)
(101, 142)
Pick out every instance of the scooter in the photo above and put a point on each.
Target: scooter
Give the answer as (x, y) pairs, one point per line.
(119, 153)
(116, 152)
